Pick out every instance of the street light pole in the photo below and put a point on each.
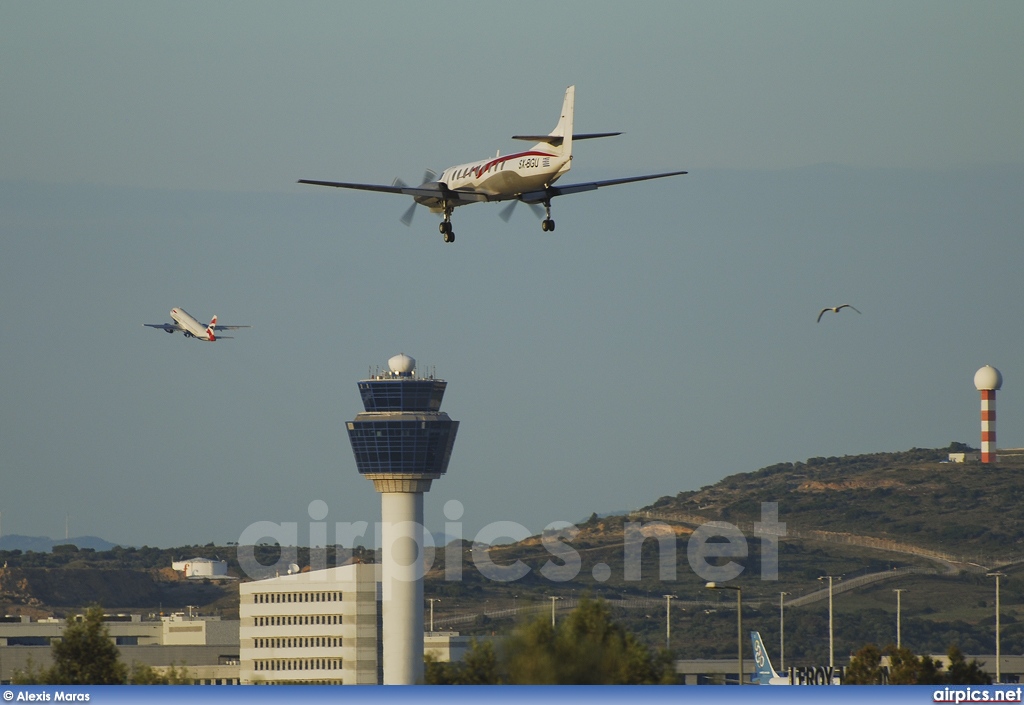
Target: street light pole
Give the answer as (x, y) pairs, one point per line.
(739, 621)
(432, 601)
(553, 598)
(999, 672)
(782, 632)
(831, 629)
(898, 592)
(668, 620)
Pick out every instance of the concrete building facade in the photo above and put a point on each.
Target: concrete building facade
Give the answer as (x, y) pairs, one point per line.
(317, 627)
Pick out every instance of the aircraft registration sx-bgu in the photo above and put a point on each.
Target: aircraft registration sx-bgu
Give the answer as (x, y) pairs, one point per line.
(524, 176)
(184, 322)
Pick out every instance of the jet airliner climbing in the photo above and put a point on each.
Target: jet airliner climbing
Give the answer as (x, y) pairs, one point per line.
(187, 324)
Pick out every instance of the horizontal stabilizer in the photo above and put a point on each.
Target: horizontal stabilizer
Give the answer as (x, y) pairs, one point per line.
(556, 140)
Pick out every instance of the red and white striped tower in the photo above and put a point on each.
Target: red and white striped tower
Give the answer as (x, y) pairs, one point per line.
(988, 380)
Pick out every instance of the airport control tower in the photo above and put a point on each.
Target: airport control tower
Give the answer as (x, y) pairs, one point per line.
(402, 441)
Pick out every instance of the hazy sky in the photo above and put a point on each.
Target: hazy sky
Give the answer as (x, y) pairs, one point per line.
(661, 339)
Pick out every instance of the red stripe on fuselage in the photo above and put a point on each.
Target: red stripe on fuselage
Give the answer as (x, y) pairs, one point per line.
(487, 166)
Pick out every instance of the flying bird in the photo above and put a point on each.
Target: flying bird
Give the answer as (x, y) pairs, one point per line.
(834, 309)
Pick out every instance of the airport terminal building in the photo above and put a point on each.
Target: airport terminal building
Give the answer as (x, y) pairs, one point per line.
(317, 627)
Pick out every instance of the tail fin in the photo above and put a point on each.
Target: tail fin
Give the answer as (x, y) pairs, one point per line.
(564, 127)
(210, 328)
(765, 673)
(560, 138)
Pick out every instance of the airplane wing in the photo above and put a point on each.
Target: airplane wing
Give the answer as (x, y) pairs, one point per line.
(541, 195)
(169, 327)
(425, 191)
(219, 327)
(428, 191)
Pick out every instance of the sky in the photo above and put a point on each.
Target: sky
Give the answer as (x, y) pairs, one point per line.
(662, 338)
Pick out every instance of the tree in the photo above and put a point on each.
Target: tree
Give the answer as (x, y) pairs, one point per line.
(904, 666)
(587, 648)
(962, 673)
(907, 669)
(865, 667)
(143, 674)
(479, 667)
(85, 654)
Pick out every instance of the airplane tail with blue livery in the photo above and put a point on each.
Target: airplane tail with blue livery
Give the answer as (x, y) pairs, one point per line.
(765, 674)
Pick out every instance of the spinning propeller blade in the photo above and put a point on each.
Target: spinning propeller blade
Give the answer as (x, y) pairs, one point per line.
(507, 211)
(409, 213)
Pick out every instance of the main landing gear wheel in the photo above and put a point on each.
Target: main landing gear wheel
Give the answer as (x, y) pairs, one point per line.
(446, 229)
(547, 225)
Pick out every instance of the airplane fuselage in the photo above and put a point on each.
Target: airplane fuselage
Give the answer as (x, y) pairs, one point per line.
(503, 177)
(191, 327)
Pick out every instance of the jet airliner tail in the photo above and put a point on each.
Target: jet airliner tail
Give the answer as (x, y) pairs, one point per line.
(765, 674)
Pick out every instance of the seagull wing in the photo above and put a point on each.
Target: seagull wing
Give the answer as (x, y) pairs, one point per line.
(822, 314)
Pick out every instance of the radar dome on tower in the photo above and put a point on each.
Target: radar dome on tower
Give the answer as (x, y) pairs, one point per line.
(988, 377)
(402, 365)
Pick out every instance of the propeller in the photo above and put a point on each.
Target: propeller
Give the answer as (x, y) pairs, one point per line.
(507, 211)
(428, 176)
(409, 213)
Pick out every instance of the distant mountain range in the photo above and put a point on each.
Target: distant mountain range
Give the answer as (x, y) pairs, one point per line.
(44, 544)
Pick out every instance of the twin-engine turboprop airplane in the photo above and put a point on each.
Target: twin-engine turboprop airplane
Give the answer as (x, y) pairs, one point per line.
(184, 322)
(524, 176)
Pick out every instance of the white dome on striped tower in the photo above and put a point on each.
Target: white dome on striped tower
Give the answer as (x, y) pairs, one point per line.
(988, 377)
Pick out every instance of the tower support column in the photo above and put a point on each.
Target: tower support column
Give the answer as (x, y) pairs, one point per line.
(402, 586)
(988, 425)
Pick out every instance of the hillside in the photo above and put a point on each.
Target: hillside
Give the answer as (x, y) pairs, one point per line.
(971, 511)
(879, 521)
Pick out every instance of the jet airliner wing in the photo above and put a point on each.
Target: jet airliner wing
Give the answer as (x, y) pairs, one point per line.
(219, 327)
(541, 195)
(169, 327)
